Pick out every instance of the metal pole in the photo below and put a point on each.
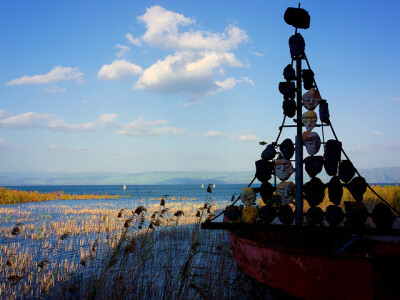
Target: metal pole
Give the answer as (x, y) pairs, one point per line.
(299, 148)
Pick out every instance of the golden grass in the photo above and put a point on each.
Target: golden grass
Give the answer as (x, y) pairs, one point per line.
(9, 196)
(391, 193)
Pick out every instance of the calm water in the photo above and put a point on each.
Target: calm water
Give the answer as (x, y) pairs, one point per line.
(145, 192)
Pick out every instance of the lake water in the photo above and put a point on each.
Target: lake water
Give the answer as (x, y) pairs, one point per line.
(145, 192)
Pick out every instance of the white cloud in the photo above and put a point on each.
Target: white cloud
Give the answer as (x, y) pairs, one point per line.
(103, 121)
(394, 99)
(200, 56)
(56, 74)
(122, 50)
(3, 113)
(132, 40)
(230, 83)
(4, 145)
(118, 69)
(362, 149)
(212, 134)
(140, 127)
(255, 53)
(79, 150)
(163, 32)
(393, 145)
(54, 89)
(244, 137)
(376, 132)
(26, 120)
(186, 72)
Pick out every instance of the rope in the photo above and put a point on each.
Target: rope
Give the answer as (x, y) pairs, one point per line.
(345, 154)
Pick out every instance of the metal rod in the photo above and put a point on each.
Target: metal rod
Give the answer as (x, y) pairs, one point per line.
(299, 148)
(316, 125)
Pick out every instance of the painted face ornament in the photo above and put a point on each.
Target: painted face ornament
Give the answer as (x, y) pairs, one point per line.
(248, 196)
(286, 190)
(311, 99)
(312, 142)
(283, 169)
(309, 119)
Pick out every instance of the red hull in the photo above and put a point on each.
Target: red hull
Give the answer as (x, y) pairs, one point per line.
(315, 275)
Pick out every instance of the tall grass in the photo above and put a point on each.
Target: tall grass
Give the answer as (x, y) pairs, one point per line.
(9, 196)
(391, 194)
(152, 252)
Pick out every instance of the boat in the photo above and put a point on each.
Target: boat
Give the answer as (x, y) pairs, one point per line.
(124, 187)
(312, 254)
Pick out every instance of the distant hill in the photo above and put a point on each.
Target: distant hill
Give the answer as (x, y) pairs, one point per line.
(377, 175)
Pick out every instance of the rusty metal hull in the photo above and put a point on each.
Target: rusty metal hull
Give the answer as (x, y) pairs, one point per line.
(318, 275)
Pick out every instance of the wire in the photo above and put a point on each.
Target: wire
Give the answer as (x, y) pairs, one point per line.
(345, 154)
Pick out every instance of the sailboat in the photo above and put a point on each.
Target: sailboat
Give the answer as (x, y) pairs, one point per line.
(124, 187)
(327, 254)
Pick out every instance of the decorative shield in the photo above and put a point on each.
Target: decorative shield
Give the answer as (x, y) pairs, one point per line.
(334, 215)
(313, 165)
(287, 148)
(314, 191)
(297, 17)
(267, 213)
(269, 152)
(383, 216)
(297, 46)
(357, 187)
(335, 190)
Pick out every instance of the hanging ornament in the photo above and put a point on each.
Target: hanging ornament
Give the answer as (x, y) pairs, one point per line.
(286, 190)
(289, 108)
(249, 214)
(269, 152)
(356, 213)
(383, 216)
(324, 112)
(309, 120)
(297, 46)
(285, 214)
(283, 169)
(312, 142)
(297, 17)
(287, 148)
(346, 171)
(264, 170)
(247, 196)
(357, 187)
(335, 190)
(333, 150)
(313, 165)
(266, 192)
(314, 191)
(334, 215)
(308, 79)
(267, 213)
(311, 99)
(314, 216)
(289, 73)
(287, 89)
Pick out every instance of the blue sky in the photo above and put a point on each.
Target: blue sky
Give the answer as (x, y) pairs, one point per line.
(136, 86)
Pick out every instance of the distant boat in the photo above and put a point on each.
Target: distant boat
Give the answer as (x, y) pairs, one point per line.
(214, 185)
(124, 188)
(202, 186)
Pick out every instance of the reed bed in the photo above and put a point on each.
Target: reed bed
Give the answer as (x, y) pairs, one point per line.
(9, 196)
(391, 194)
(150, 251)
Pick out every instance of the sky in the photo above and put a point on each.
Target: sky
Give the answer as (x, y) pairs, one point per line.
(140, 86)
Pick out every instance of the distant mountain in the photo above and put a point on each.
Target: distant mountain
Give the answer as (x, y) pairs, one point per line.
(378, 175)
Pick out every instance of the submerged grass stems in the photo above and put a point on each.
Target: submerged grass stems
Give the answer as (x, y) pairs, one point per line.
(151, 252)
